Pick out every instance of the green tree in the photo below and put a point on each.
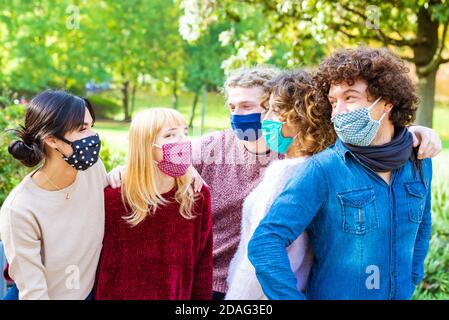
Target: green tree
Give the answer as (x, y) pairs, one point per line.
(415, 29)
(44, 45)
(139, 38)
(203, 64)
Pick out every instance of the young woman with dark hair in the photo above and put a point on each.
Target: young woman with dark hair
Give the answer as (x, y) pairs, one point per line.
(52, 223)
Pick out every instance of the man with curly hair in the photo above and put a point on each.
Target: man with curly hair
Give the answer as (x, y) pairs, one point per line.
(365, 201)
(233, 161)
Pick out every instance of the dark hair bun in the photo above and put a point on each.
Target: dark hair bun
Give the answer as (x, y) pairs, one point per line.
(28, 155)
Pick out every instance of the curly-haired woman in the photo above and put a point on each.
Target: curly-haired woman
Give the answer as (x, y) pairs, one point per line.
(298, 125)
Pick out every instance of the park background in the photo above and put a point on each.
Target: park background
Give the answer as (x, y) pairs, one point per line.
(126, 56)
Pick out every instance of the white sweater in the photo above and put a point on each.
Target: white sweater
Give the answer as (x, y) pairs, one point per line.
(242, 280)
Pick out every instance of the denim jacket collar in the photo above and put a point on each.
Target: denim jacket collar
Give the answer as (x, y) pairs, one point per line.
(341, 149)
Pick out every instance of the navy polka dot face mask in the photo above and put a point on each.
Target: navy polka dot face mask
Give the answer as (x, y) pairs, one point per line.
(85, 152)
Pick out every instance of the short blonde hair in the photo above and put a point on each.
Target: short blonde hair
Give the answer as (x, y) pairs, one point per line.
(249, 77)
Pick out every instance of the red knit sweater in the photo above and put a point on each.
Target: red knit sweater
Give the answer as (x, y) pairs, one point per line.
(164, 257)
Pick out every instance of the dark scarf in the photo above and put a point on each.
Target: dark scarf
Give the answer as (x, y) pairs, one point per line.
(390, 156)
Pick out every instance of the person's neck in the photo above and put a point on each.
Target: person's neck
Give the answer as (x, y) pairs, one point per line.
(164, 182)
(258, 147)
(54, 175)
(384, 136)
(295, 153)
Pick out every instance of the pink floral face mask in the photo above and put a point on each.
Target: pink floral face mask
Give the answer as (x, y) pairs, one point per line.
(176, 158)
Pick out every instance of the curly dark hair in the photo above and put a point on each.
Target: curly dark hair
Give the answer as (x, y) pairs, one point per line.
(295, 97)
(385, 73)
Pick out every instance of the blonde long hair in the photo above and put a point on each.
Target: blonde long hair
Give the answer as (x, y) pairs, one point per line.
(140, 191)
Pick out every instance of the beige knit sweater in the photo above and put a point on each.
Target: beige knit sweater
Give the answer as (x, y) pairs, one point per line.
(53, 244)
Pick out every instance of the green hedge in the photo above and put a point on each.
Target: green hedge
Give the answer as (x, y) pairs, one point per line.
(105, 108)
(435, 284)
(11, 171)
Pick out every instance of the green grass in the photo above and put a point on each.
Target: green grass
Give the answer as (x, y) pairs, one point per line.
(216, 112)
(216, 116)
(115, 133)
(441, 122)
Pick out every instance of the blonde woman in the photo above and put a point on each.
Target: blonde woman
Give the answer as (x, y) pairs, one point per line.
(158, 231)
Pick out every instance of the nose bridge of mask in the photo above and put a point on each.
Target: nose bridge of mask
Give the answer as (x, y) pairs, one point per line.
(250, 117)
(176, 153)
(246, 127)
(273, 123)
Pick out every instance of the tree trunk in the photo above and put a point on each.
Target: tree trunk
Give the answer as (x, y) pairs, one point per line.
(175, 90)
(423, 54)
(133, 99)
(426, 92)
(125, 99)
(203, 108)
(195, 102)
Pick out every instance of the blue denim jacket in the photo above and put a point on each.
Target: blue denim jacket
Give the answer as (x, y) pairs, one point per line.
(369, 238)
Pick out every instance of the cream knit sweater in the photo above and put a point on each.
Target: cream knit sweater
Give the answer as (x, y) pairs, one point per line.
(242, 280)
(52, 244)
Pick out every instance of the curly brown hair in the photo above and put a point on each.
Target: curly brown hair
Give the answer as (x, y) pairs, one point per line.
(295, 97)
(385, 73)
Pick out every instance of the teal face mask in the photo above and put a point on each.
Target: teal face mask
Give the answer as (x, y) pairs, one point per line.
(271, 131)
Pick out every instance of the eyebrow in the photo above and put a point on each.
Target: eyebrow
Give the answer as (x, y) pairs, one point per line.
(172, 129)
(352, 90)
(345, 92)
(243, 102)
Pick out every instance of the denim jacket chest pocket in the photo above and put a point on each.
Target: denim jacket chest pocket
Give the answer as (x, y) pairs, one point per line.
(359, 213)
(416, 196)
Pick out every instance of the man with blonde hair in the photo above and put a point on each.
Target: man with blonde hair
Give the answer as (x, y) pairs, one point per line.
(232, 162)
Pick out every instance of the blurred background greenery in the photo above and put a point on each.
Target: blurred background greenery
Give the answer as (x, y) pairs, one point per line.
(126, 56)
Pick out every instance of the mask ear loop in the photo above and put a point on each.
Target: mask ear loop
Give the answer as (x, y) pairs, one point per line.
(374, 103)
(157, 146)
(67, 142)
(383, 116)
(280, 130)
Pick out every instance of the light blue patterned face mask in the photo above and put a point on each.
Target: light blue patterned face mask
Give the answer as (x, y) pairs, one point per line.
(357, 127)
